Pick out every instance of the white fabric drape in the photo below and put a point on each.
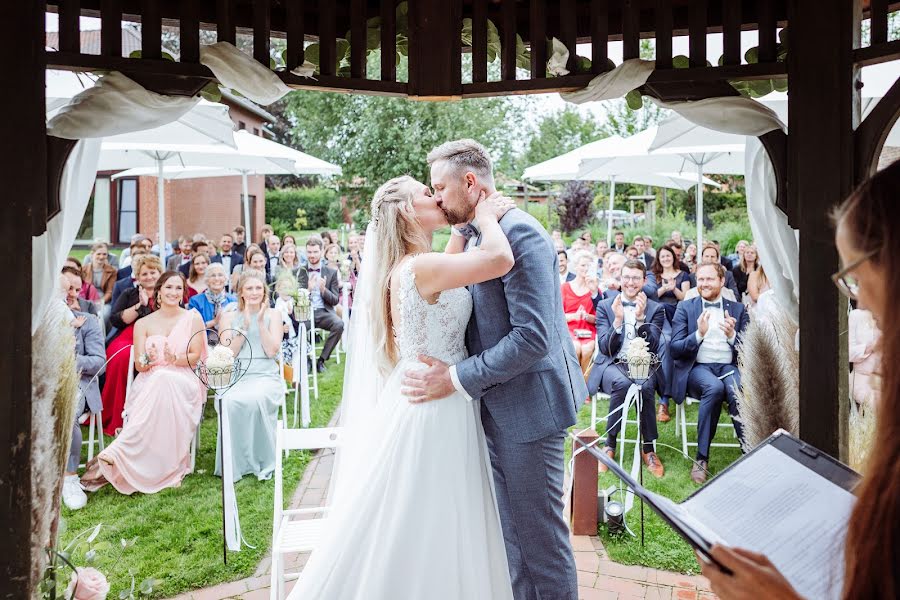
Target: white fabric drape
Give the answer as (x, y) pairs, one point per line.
(778, 243)
(237, 71)
(49, 250)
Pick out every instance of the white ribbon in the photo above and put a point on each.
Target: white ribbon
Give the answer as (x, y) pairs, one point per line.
(232, 520)
(301, 374)
(631, 74)
(237, 71)
(632, 397)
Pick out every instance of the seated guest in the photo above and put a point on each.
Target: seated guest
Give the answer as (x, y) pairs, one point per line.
(619, 242)
(579, 311)
(125, 275)
(690, 257)
(153, 451)
(98, 272)
(196, 282)
(679, 254)
(620, 320)
(182, 256)
(88, 291)
(705, 334)
(711, 255)
(138, 239)
(89, 359)
(642, 254)
(865, 356)
(214, 299)
(612, 271)
(735, 258)
(288, 262)
(757, 284)
(749, 262)
(264, 234)
(135, 303)
(631, 253)
(564, 274)
(72, 277)
(255, 260)
(227, 255)
(325, 294)
(197, 248)
(273, 248)
(252, 402)
(288, 240)
(601, 249)
(333, 258)
(240, 246)
(136, 249)
(648, 246)
(725, 262)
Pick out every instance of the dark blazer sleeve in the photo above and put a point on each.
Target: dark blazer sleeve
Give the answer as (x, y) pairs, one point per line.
(652, 329)
(331, 295)
(684, 343)
(608, 341)
(732, 285)
(128, 298)
(651, 286)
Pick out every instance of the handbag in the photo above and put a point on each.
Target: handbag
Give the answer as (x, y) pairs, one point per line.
(582, 334)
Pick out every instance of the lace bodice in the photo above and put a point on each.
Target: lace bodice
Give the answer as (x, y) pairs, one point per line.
(438, 329)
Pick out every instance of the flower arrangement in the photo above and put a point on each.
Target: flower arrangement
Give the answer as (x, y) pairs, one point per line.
(345, 269)
(87, 582)
(639, 359)
(301, 304)
(220, 367)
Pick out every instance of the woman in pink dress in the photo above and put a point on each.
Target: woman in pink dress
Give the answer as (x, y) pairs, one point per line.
(153, 450)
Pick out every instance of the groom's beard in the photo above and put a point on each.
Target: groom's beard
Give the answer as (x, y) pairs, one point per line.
(455, 217)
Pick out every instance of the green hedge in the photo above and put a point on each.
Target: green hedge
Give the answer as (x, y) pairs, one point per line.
(283, 203)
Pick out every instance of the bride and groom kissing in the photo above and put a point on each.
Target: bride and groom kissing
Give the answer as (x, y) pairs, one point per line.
(461, 382)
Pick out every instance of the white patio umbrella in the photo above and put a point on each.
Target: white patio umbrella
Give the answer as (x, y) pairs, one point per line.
(259, 156)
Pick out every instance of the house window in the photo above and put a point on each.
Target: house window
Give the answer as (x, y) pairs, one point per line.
(242, 125)
(95, 224)
(127, 210)
(256, 131)
(251, 207)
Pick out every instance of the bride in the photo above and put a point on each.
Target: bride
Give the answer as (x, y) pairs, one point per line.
(414, 512)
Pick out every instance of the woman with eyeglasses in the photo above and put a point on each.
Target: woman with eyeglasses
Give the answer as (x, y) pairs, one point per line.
(869, 246)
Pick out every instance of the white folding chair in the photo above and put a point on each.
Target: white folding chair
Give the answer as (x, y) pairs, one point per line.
(303, 533)
(95, 428)
(683, 424)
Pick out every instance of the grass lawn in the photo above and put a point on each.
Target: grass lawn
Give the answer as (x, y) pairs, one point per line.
(663, 548)
(179, 531)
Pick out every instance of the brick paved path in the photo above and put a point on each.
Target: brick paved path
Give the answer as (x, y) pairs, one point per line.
(598, 577)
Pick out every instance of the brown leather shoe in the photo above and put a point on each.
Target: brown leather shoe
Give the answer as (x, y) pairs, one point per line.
(662, 413)
(698, 471)
(601, 468)
(654, 465)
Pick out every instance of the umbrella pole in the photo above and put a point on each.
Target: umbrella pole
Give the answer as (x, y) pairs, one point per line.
(609, 213)
(699, 207)
(161, 201)
(246, 206)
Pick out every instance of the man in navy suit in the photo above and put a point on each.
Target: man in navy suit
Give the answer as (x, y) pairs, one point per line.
(564, 273)
(620, 319)
(711, 254)
(199, 247)
(640, 244)
(706, 332)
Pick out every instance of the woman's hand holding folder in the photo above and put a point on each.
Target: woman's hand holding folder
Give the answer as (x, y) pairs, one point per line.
(753, 576)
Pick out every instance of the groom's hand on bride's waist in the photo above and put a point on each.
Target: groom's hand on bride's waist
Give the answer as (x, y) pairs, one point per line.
(431, 383)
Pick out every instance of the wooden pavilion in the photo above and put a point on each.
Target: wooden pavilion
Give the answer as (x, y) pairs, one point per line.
(826, 153)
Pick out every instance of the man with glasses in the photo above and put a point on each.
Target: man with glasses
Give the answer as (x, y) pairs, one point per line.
(706, 331)
(620, 320)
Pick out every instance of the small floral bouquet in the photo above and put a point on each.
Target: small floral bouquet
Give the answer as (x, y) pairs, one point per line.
(220, 368)
(639, 359)
(345, 269)
(301, 305)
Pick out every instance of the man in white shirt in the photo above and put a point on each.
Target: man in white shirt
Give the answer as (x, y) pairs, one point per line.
(564, 274)
(619, 239)
(706, 331)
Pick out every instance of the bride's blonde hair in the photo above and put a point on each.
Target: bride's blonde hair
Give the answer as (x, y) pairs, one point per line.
(397, 234)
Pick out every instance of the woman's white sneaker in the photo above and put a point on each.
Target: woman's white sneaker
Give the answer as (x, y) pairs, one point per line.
(73, 495)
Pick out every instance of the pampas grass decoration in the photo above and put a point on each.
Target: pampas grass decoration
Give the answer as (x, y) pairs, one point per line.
(54, 389)
(863, 419)
(770, 378)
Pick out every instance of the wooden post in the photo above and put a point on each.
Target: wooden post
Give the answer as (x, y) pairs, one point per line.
(435, 49)
(584, 488)
(823, 109)
(26, 175)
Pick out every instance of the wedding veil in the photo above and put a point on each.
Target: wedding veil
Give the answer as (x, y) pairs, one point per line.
(362, 381)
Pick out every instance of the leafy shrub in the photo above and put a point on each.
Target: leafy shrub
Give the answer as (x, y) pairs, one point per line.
(728, 234)
(335, 213)
(280, 226)
(575, 205)
(300, 222)
(732, 214)
(283, 204)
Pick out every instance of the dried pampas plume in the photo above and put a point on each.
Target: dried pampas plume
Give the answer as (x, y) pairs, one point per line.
(770, 377)
(863, 419)
(54, 387)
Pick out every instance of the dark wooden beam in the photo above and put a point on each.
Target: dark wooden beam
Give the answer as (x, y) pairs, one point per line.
(434, 39)
(698, 15)
(69, 30)
(873, 55)
(261, 27)
(151, 30)
(226, 25)
(189, 32)
(538, 35)
(663, 15)
(485, 89)
(508, 41)
(731, 32)
(333, 83)
(568, 29)
(767, 30)
(111, 28)
(358, 39)
(25, 174)
(294, 52)
(878, 11)
(599, 35)
(327, 38)
(631, 41)
(388, 40)
(823, 109)
(479, 41)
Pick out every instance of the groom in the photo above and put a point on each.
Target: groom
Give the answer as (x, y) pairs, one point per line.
(522, 367)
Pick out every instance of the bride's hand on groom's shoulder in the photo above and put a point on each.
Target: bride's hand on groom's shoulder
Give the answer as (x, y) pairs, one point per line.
(493, 207)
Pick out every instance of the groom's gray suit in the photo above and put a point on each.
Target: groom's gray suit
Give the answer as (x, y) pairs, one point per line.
(522, 366)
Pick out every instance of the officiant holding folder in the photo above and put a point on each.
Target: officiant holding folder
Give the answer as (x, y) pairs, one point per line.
(868, 241)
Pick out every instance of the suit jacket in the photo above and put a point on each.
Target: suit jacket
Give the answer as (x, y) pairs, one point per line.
(332, 293)
(107, 282)
(124, 273)
(86, 306)
(173, 262)
(121, 286)
(648, 261)
(90, 356)
(609, 342)
(236, 259)
(522, 361)
(684, 344)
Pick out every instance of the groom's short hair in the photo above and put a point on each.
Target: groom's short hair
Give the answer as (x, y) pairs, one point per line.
(464, 155)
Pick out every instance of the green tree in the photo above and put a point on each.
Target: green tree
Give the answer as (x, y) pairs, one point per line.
(561, 132)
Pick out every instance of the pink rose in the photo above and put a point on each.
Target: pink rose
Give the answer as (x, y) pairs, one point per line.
(92, 585)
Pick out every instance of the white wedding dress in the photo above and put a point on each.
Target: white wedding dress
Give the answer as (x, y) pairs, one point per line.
(422, 520)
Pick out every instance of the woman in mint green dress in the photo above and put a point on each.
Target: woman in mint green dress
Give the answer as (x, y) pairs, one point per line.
(252, 402)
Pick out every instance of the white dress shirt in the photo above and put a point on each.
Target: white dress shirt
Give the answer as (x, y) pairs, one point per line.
(630, 324)
(715, 347)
